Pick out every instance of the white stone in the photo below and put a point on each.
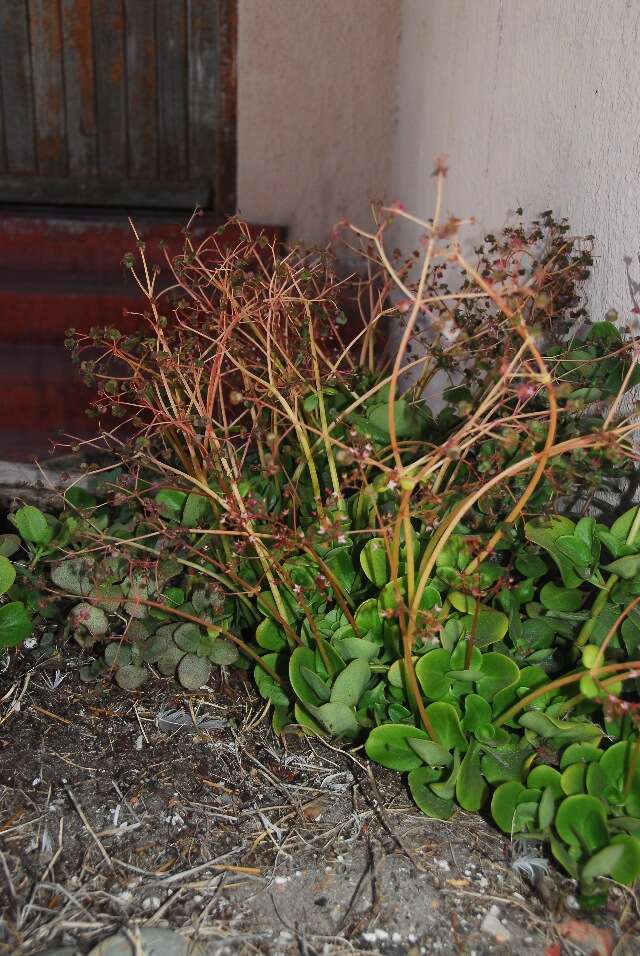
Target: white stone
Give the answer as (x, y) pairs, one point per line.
(492, 926)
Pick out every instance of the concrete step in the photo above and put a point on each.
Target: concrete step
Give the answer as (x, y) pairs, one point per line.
(40, 400)
(65, 271)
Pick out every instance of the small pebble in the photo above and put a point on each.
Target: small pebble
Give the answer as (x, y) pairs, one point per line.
(492, 926)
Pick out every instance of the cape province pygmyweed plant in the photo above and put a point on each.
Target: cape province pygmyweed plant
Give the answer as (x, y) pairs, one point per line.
(287, 503)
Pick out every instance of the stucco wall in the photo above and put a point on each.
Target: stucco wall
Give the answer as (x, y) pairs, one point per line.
(316, 100)
(536, 103)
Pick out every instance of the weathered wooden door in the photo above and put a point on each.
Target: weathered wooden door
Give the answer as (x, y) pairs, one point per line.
(117, 103)
(107, 108)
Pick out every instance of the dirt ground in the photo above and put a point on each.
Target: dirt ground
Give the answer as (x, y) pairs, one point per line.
(167, 809)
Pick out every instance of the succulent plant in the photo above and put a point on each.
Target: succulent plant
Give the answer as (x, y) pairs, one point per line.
(131, 677)
(223, 652)
(193, 671)
(94, 619)
(117, 654)
(72, 576)
(168, 663)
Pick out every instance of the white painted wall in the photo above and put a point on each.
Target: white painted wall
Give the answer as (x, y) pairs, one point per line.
(537, 104)
(316, 101)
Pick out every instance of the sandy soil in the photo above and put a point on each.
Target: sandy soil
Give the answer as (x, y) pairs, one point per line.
(168, 809)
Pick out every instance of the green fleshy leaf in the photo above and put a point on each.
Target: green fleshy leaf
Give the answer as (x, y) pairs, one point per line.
(621, 527)
(627, 869)
(573, 779)
(586, 532)
(374, 562)
(430, 752)
(579, 753)
(303, 657)
(174, 596)
(561, 599)
(339, 719)
(462, 602)
(614, 764)
(367, 618)
(490, 626)
(599, 785)
(547, 808)
(268, 688)
(270, 636)
(617, 548)
(620, 860)
(170, 502)
(15, 624)
(530, 565)
(575, 550)
(406, 419)
(156, 647)
(93, 618)
(336, 662)
(447, 788)
(315, 682)
(72, 577)
(477, 712)
(500, 673)
(357, 648)
(581, 822)
(196, 508)
(117, 654)
(7, 574)
(456, 553)
(446, 723)
(432, 672)
(526, 815)
(564, 858)
(32, 525)
(307, 722)
(544, 532)
(194, 671)
(223, 652)
(394, 595)
(550, 727)
(340, 563)
(188, 637)
(471, 788)
(9, 544)
(425, 798)
(387, 745)
(130, 677)
(537, 633)
(168, 662)
(626, 568)
(351, 683)
(504, 802)
(544, 776)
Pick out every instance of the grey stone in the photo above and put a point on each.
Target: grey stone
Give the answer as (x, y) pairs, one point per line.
(154, 941)
(59, 951)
